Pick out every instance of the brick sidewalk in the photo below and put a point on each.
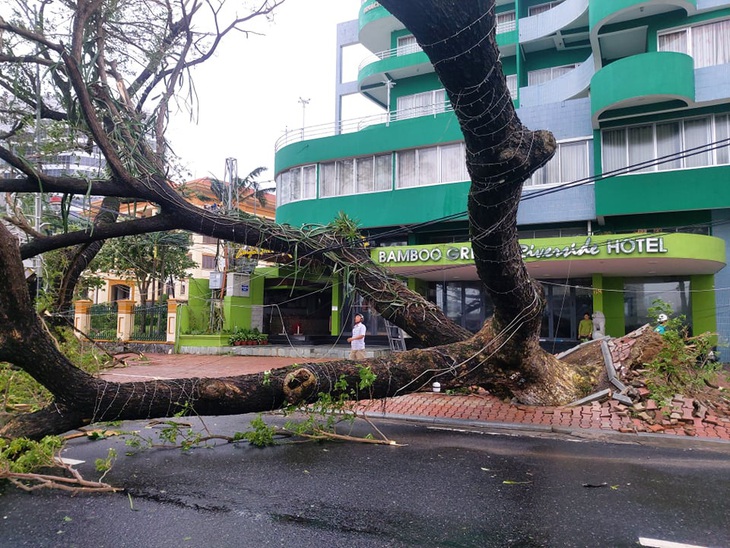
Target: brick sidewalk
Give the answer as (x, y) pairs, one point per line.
(610, 415)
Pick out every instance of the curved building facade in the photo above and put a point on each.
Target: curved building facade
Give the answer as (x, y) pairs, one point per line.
(634, 206)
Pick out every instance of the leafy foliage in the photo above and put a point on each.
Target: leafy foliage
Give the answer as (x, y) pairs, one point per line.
(25, 456)
(684, 364)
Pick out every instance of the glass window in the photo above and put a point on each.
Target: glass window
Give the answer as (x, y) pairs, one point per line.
(283, 188)
(708, 44)
(668, 143)
(328, 179)
(453, 163)
(427, 103)
(364, 168)
(428, 166)
(406, 169)
(614, 149)
(295, 184)
(512, 85)
(697, 134)
(674, 41)
(208, 262)
(542, 8)
(383, 172)
(506, 22)
(641, 146)
(345, 176)
(571, 162)
(542, 76)
(722, 133)
(625, 147)
(640, 294)
(309, 182)
(407, 44)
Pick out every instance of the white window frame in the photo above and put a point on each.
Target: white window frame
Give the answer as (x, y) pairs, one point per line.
(689, 41)
(511, 80)
(356, 190)
(552, 74)
(435, 178)
(506, 21)
(542, 8)
(407, 45)
(588, 146)
(715, 156)
(435, 104)
(284, 185)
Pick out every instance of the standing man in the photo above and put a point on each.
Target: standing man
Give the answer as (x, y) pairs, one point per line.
(357, 341)
(585, 328)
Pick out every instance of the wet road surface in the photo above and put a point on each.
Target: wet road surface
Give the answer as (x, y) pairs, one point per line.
(442, 488)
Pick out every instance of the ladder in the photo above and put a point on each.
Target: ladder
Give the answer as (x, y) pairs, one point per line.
(395, 337)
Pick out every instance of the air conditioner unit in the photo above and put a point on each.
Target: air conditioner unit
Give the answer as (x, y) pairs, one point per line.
(237, 285)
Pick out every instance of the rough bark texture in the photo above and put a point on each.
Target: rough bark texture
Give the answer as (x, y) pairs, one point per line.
(501, 153)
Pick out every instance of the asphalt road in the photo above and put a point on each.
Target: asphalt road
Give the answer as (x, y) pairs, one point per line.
(442, 488)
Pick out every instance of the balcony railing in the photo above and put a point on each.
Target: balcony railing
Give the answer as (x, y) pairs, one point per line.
(387, 54)
(357, 124)
(506, 26)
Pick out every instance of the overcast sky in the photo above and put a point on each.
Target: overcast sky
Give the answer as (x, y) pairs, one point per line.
(249, 93)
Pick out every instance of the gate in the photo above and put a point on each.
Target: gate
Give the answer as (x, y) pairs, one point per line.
(150, 322)
(103, 322)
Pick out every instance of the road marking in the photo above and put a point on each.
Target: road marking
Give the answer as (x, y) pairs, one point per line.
(655, 543)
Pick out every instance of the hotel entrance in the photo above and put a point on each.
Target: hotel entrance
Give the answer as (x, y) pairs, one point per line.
(566, 303)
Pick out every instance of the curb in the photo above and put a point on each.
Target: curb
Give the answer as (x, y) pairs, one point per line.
(592, 433)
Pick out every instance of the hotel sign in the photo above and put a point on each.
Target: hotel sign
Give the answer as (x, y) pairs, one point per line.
(588, 248)
(621, 246)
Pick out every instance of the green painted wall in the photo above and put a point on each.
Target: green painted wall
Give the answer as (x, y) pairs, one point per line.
(665, 75)
(368, 14)
(598, 300)
(704, 316)
(678, 190)
(613, 306)
(391, 64)
(394, 207)
(237, 310)
(337, 300)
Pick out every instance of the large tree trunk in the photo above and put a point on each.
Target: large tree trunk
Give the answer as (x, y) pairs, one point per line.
(501, 153)
(80, 399)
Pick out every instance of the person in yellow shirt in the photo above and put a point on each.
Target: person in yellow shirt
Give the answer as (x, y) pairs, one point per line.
(585, 328)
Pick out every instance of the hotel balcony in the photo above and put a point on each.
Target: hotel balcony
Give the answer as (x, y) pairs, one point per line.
(571, 85)
(645, 83)
(558, 28)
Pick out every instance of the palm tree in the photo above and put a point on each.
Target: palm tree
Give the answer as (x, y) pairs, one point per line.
(244, 188)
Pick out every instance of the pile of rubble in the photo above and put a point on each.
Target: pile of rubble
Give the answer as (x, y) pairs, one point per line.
(628, 397)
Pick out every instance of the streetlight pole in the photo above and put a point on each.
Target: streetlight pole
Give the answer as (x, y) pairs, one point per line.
(304, 103)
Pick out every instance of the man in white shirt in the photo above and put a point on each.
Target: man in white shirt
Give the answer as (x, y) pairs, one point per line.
(357, 341)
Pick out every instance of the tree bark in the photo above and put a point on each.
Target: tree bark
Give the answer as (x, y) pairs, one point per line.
(501, 154)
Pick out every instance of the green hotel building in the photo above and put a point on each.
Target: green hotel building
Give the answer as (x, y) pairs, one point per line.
(634, 207)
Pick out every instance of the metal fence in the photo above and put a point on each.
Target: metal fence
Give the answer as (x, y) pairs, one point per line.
(103, 322)
(150, 322)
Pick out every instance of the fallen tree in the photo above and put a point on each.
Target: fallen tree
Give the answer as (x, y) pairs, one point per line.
(504, 356)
